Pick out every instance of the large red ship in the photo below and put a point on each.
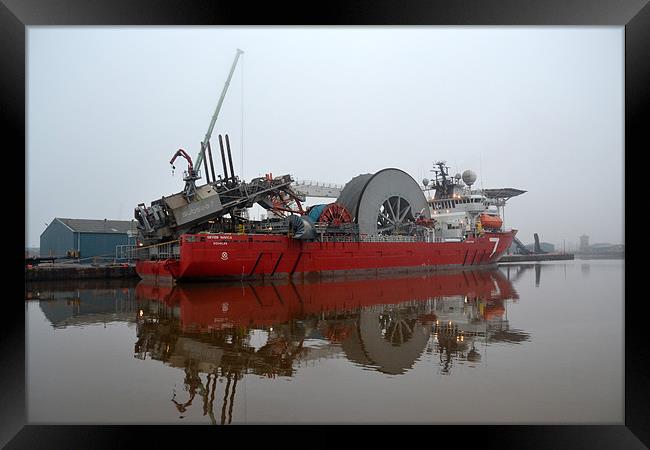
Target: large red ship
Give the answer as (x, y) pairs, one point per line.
(235, 256)
(366, 231)
(381, 222)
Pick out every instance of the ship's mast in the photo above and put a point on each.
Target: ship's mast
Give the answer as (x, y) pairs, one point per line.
(442, 185)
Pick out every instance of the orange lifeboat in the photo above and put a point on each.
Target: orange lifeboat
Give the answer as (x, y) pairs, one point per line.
(492, 222)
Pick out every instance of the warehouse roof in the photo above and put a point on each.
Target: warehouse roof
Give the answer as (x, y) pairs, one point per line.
(99, 225)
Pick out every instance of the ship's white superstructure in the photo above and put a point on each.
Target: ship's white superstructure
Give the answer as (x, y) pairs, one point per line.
(460, 212)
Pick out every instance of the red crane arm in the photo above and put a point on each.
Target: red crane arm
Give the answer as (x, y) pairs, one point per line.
(182, 153)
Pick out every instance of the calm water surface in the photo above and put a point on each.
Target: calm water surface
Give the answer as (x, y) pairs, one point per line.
(524, 343)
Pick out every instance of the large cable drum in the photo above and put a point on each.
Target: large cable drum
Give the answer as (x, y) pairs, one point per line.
(385, 202)
(349, 196)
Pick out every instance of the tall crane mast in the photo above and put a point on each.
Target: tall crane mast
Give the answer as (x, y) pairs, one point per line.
(208, 134)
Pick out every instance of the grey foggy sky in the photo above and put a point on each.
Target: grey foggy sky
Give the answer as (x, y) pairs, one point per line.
(535, 108)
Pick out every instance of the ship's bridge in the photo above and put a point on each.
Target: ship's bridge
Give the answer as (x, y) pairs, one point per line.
(475, 200)
(471, 202)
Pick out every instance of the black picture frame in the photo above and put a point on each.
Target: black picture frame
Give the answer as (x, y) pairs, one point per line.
(634, 15)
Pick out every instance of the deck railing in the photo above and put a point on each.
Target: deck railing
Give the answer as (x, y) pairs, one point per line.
(389, 238)
(166, 250)
(124, 252)
(370, 238)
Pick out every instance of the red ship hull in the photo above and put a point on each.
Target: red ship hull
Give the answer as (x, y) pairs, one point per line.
(260, 256)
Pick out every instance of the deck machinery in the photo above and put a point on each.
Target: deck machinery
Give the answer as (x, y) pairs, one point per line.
(221, 203)
(216, 206)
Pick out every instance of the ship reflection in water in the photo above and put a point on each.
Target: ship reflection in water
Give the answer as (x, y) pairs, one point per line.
(216, 332)
(438, 348)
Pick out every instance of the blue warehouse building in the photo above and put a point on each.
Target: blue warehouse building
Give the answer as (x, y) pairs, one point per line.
(89, 237)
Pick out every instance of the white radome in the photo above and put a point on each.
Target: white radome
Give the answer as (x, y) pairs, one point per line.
(469, 177)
